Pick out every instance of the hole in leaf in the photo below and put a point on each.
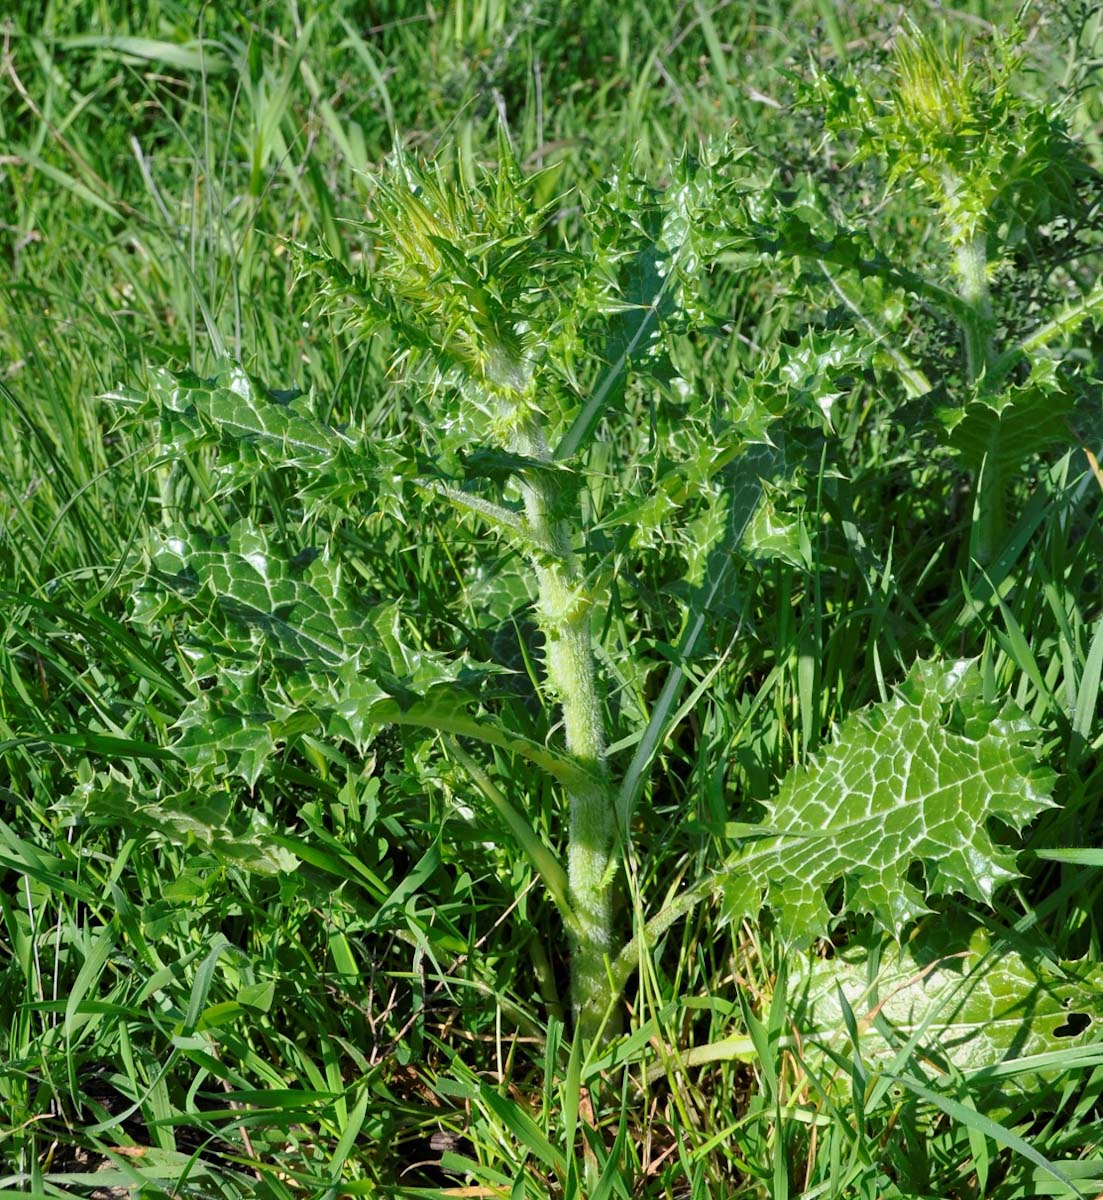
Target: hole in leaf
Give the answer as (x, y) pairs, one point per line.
(835, 896)
(1077, 1022)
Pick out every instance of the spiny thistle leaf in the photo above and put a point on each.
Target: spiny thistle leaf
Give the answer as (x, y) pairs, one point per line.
(242, 738)
(304, 615)
(916, 780)
(255, 429)
(211, 819)
(289, 649)
(1018, 421)
(234, 405)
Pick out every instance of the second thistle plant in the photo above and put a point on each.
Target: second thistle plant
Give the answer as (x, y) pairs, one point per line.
(991, 164)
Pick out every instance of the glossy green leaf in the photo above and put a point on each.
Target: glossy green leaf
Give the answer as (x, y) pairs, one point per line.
(916, 780)
(276, 424)
(212, 819)
(301, 610)
(1011, 425)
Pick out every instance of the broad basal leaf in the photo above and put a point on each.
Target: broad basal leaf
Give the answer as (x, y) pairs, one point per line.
(915, 781)
(242, 736)
(983, 1008)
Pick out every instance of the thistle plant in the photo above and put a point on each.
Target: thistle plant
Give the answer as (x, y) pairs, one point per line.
(511, 352)
(477, 292)
(994, 168)
(656, 594)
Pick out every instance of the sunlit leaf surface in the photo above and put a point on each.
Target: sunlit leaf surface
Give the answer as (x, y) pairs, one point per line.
(917, 780)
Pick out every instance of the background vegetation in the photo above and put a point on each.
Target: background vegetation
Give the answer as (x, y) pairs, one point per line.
(335, 976)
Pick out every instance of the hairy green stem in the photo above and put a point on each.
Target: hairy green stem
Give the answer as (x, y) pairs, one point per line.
(971, 260)
(564, 612)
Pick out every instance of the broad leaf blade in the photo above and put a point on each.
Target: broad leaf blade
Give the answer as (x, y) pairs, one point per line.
(914, 780)
(233, 404)
(982, 1010)
(1011, 425)
(300, 609)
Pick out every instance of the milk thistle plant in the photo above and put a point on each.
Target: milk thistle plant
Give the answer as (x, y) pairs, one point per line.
(512, 352)
(597, 693)
(993, 168)
(473, 277)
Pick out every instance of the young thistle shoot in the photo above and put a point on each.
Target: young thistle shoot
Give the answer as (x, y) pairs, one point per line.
(990, 163)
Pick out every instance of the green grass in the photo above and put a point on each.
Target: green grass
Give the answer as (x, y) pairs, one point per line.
(389, 1018)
